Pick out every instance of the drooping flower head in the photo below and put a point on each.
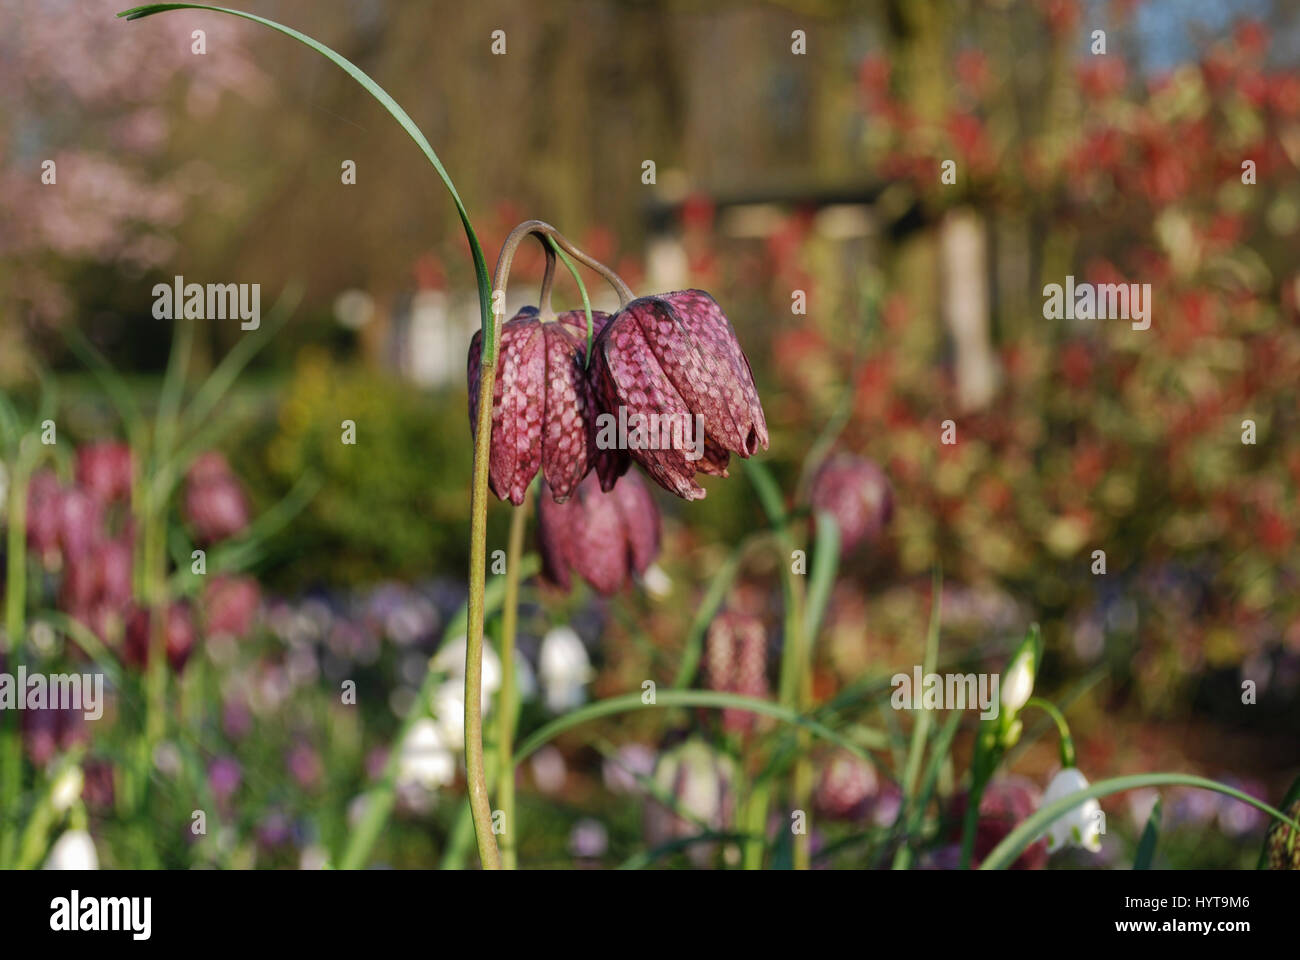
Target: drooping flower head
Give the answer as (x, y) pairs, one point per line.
(857, 494)
(1079, 826)
(735, 661)
(675, 358)
(605, 538)
(542, 407)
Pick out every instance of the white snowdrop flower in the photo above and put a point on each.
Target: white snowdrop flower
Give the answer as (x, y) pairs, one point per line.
(450, 659)
(656, 582)
(67, 789)
(1018, 683)
(564, 667)
(313, 858)
(75, 850)
(1079, 827)
(425, 759)
(448, 708)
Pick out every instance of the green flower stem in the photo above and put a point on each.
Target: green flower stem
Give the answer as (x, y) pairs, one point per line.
(379, 803)
(1031, 828)
(1063, 728)
(921, 728)
(16, 569)
(979, 779)
(475, 773)
(507, 709)
(795, 683)
(582, 289)
(11, 759)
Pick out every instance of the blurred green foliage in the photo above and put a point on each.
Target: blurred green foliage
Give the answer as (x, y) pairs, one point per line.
(392, 504)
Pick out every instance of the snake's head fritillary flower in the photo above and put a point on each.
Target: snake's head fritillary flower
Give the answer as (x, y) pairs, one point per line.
(1080, 826)
(43, 495)
(178, 636)
(857, 494)
(846, 787)
(81, 522)
(602, 537)
(735, 661)
(542, 408)
(104, 470)
(675, 358)
(1006, 801)
(215, 505)
(230, 605)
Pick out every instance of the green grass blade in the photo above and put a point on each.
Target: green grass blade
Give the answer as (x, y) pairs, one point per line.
(922, 728)
(680, 698)
(825, 566)
(1146, 850)
(233, 363)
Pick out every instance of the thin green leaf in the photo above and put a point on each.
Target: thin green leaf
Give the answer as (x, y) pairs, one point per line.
(644, 859)
(239, 356)
(173, 386)
(582, 289)
(921, 730)
(680, 698)
(769, 493)
(1146, 850)
(119, 394)
(825, 567)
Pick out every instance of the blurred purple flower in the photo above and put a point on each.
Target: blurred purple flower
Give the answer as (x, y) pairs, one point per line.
(224, 777)
(104, 470)
(214, 503)
(230, 605)
(857, 494)
(603, 537)
(178, 636)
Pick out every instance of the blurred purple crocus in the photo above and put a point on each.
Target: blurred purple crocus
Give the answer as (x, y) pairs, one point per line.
(224, 776)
